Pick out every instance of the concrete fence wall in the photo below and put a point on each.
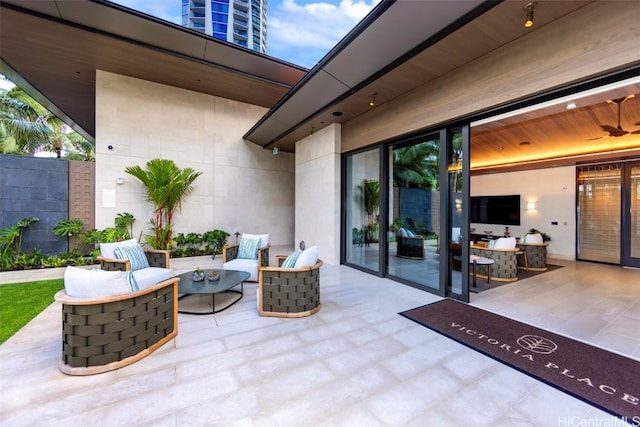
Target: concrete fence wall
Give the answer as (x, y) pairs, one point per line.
(39, 187)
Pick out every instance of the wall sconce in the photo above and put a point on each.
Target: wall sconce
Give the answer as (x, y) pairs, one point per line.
(372, 102)
(275, 151)
(458, 204)
(528, 9)
(531, 205)
(119, 181)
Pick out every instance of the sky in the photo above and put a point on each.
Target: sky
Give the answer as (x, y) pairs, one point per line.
(301, 32)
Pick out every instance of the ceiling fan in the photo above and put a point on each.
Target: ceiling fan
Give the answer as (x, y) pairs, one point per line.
(618, 131)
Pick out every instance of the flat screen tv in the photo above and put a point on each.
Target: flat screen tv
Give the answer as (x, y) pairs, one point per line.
(503, 210)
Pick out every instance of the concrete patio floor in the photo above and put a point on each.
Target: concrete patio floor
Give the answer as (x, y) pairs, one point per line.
(354, 363)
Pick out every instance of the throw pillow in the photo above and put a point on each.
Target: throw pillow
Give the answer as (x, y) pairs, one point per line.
(248, 248)
(411, 233)
(107, 249)
(402, 232)
(135, 254)
(96, 283)
(505, 243)
(307, 258)
(131, 280)
(290, 261)
(264, 238)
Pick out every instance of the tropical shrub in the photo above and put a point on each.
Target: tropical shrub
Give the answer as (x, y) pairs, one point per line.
(166, 185)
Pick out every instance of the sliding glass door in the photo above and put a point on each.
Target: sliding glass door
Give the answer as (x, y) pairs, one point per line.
(404, 211)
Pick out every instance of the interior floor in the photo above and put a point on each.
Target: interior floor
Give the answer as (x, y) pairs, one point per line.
(355, 362)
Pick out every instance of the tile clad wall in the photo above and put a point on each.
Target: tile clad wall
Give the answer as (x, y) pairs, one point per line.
(243, 187)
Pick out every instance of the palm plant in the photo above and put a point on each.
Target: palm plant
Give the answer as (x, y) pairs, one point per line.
(166, 186)
(416, 166)
(370, 198)
(19, 127)
(27, 127)
(124, 221)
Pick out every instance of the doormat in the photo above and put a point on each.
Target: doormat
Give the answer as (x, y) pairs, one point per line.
(599, 377)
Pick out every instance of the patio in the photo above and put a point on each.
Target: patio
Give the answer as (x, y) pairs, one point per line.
(355, 362)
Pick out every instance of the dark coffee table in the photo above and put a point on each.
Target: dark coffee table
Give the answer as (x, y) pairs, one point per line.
(228, 279)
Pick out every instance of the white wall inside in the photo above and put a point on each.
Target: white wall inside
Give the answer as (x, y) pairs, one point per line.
(317, 194)
(552, 190)
(243, 187)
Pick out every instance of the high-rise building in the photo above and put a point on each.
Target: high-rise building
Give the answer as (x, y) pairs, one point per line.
(243, 22)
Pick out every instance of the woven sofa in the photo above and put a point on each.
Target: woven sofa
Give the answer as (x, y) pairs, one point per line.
(289, 292)
(103, 334)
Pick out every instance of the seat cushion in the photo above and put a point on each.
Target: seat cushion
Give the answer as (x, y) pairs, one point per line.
(248, 265)
(95, 283)
(107, 250)
(147, 277)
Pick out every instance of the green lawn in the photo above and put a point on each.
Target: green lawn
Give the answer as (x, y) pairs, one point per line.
(21, 302)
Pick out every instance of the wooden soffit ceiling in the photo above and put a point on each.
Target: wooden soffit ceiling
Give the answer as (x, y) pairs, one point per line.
(376, 58)
(52, 49)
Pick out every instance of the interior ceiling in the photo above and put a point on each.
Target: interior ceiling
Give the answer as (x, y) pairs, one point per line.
(555, 135)
(53, 48)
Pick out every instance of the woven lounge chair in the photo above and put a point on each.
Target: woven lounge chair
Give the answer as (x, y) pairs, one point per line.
(289, 292)
(103, 334)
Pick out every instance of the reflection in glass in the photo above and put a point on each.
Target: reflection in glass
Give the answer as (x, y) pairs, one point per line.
(456, 181)
(414, 212)
(363, 209)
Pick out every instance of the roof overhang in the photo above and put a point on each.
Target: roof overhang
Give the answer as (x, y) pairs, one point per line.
(393, 32)
(52, 49)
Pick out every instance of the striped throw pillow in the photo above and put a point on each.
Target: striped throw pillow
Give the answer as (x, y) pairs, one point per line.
(248, 248)
(290, 261)
(131, 280)
(135, 254)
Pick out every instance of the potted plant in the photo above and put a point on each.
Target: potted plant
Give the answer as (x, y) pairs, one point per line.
(197, 275)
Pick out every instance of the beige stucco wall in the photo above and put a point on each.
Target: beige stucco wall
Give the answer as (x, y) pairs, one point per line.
(317, 192)
(243, 187)
(554, 192)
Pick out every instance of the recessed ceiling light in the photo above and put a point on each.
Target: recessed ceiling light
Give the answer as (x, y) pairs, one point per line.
(571, 106)
(500, 148)
(525, 143)
(337, 113)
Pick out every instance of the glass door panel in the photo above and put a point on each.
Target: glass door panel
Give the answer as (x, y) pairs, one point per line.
(362, 204)
(457, 235)
(414, 211)
(599, 225)
(631, 217)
